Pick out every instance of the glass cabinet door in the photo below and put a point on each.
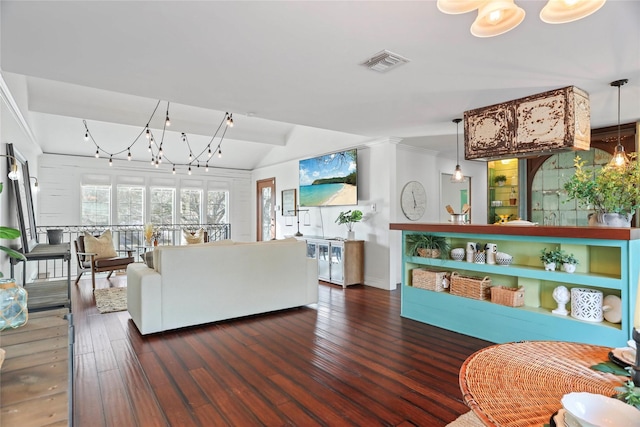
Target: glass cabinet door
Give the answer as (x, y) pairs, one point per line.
(324, 265)
(312, 250)
(337, 272)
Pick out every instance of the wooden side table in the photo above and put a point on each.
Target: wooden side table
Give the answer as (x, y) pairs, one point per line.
(521, 384)
(36, 376)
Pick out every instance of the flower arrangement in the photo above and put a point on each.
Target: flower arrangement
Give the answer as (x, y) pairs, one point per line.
(607, 190)
(150, 233)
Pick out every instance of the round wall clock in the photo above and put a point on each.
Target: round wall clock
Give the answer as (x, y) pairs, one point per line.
(413, 200)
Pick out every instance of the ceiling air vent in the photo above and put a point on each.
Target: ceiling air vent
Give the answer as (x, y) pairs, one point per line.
(384, 61)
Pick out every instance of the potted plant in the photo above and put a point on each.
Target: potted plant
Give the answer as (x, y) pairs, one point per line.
(500, 180)
(551, 258)
(569, 262)
(629, 393)
(613, 192)
(349, 218)
(427, 245)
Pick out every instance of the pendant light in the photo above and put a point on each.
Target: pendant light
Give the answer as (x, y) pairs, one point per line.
(619, 158)
(497, 17)
(563, 11)
(457, 176)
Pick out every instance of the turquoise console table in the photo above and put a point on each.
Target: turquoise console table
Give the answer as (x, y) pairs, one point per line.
(609, 262)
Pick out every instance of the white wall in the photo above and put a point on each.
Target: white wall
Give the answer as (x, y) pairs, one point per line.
(375, 166)
(61, 176)
(424, 166)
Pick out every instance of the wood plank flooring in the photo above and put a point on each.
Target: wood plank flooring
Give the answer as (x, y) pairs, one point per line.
(350, 360)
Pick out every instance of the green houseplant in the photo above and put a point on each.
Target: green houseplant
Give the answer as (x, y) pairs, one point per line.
(500, 180)
(569, 262)
(427, 245)
(608, 190)
(349, 218)
(551, 258)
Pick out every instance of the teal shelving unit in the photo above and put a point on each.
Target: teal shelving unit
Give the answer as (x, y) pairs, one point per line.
(609, 262)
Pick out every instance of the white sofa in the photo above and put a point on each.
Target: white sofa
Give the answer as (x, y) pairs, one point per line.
(195, 284)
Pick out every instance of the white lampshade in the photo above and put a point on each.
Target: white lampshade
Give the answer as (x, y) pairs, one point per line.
(455, 7)
(497, 17)
(563, 11)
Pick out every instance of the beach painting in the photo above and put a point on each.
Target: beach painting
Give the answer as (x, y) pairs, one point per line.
(329, 180)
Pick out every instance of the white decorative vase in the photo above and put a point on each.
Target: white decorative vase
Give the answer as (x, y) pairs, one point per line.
(569, 268)
(351, 235)
(613, 220)
(586, 304)
(551, 266)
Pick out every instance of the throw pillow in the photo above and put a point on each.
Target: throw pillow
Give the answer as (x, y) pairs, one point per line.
(148, 259)
(103, 245)
(197, 237)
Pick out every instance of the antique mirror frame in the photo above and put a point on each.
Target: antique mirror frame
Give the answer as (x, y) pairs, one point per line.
(24, 202)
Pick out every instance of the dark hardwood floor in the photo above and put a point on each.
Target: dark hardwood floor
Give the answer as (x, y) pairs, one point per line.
(350, 360)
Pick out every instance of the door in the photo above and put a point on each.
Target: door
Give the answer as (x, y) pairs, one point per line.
(266, 218)
(324, 266)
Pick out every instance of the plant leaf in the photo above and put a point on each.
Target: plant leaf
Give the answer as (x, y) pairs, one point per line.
(9, 233)
(611, 368)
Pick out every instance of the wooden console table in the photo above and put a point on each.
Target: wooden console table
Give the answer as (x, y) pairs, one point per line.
(521, 384)
(37, 374)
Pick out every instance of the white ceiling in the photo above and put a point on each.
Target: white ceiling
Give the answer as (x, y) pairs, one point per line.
(285, 68)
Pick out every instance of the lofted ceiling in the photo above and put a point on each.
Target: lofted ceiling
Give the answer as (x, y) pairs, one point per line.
(290, 71)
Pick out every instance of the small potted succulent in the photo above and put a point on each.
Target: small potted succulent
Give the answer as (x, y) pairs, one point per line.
(569, 262)
(551, 258)
(500, 180)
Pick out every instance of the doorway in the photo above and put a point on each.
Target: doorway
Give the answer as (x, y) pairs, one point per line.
(266, 218)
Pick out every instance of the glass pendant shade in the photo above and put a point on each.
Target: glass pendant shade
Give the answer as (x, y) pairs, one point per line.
(619, 158)
(458, 176)
(497, 17)
(455, 7)
(563, 11)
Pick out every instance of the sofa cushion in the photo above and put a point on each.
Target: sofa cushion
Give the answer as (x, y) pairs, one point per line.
(148, 258)
(193, 238)
(102, 245)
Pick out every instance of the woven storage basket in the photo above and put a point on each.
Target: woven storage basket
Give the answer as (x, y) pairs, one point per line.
(429, 279)
(512, 297)
(470, 287)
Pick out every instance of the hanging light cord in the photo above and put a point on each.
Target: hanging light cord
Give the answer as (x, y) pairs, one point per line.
(155, 148)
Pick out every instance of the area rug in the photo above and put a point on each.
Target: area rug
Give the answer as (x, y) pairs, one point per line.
(466, 420)
(109, 300)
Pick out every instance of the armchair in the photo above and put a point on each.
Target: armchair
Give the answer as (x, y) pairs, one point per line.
(96, 262)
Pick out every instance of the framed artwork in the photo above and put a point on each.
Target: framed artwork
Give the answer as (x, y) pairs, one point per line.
(289, 202)
(24, 201)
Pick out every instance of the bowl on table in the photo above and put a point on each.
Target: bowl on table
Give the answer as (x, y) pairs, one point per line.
(596, 410)
(458, 254)
(503, 258)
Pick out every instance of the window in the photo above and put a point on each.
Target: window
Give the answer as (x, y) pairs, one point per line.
(217, 212)
(190, 206)
(96, 205)
(162, 205)
(130, 202)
